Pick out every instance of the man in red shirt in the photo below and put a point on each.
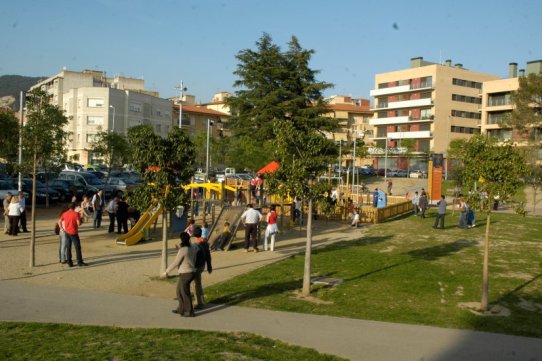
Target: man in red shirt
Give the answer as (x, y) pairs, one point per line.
(69, 223)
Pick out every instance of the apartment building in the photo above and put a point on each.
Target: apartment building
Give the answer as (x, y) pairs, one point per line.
(94, 102)
(195, 118)
(430, 104)
(497, 105)
(353, 115)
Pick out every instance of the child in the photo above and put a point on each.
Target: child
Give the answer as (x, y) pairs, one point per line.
(205, 231)
(223, 239)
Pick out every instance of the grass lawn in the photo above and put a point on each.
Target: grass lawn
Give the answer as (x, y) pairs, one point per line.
(33, 341)
(404, 271)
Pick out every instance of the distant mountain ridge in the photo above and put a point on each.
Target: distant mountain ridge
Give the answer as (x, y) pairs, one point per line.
(11, 87)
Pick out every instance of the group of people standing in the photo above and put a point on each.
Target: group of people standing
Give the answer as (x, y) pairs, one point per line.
(14, 214)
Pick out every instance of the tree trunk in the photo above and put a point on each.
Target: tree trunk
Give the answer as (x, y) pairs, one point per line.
(485, 277)
(163, 267)
(308, 249)
(33, 234)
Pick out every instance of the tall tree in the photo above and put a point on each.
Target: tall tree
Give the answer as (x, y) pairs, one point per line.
(281, 102)
(166, 165)
(528, 104)
(43, 140)
(9, 127)
(496, 170)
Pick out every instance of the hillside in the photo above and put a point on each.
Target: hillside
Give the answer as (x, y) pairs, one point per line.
(11, 86)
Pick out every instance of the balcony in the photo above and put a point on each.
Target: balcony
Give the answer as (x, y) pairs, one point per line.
(389, 120)
(408, 104)
(406, 135)
(397, 90)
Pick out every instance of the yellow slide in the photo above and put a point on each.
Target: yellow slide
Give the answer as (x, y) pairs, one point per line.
(137, 232)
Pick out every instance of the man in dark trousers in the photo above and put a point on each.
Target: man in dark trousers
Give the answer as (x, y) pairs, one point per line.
(439, 221)
(69, 223)
(250, 218)
(203, 258)
(122, 215)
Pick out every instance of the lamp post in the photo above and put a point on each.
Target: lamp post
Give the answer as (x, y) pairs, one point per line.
(386, 160)
(21, 114)
(113, 126)
(210, 123)
(182, 89)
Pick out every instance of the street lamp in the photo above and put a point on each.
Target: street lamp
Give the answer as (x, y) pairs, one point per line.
(113, 127)
(210, 123)
(182, 89)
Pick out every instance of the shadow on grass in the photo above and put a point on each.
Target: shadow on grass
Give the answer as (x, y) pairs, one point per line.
(435, 252)
(259, 292)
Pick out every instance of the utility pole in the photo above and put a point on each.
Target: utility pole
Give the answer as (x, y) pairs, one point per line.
(21, 115)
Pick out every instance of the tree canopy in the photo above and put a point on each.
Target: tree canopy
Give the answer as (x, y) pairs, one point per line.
(9, 128)
(112, 147)
(528, 103)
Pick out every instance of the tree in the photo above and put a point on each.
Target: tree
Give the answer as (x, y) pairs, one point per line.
(112, 147)
(43, 139)
(528, 104)
(496, 170)
(166, 165)
(9, 142)
(281, 102)
(533, 176)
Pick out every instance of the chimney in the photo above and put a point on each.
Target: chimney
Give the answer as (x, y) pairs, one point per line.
(522, 73)
(458, 65)
(416, 62)
(448, 62)
(512, 70)
(534, 67)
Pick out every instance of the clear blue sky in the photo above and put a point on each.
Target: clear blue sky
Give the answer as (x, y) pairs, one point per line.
(165, 41)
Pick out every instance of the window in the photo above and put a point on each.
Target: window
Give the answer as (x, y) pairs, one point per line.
(500, 134)
(466, 99)
(463, 114)
(426, 114)
(135, 107)
(95, 120)
(499, 99)
(91, 138)
(158, 128)
(95, 102)
(497, 117)
(467, 83)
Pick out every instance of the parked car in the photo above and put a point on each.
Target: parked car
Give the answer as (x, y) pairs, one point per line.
(120, 185)
(7, 186)
(367, 171)
(42, 192)
(88, 181)
(382, 172)
(398, 173)
(66, 189)
(418, 174)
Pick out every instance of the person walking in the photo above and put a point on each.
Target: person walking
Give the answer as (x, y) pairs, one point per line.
(375, 197)
(250, 218)
(22, 218)
(272, 229)
(69, 223)
(7, 201)
(390, 185)
(14, 213)
(439, 221)
(416, 203)
(112, 212)
(185, 263)
(423, 203)
(98, 203)
(203, 258)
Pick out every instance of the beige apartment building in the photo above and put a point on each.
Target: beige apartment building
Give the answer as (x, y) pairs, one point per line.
(497, 105)
(353, 115)
(429, 103)
(94, 102)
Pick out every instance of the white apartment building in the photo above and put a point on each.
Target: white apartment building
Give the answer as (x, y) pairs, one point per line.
(93, 103)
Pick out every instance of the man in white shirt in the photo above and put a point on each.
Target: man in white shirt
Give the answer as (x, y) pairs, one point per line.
(250, 218)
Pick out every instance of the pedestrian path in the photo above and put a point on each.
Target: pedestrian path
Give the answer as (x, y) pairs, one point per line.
(348, 338)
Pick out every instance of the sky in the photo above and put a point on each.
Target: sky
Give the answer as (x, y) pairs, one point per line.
(196, 41)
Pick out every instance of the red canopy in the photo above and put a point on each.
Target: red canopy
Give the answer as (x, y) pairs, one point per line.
(270, 168)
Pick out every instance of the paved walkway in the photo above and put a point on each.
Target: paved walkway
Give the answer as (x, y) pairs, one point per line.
(352, 339)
